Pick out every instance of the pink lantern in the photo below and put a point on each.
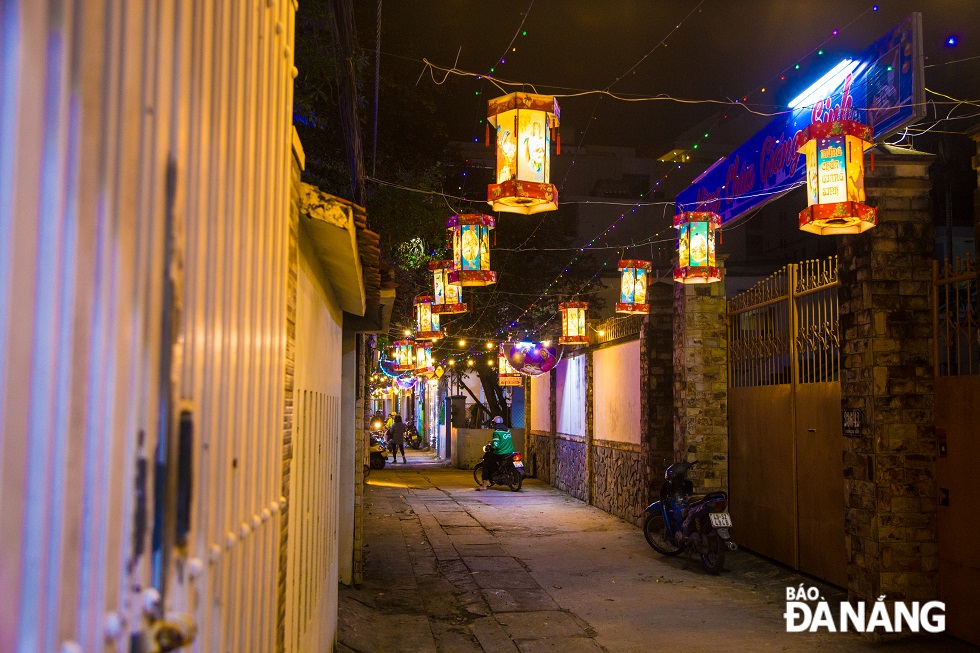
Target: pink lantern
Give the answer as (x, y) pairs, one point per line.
(471, 249)
(426, 320)
(447, 297)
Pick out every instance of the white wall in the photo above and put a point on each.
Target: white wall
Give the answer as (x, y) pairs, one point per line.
(541, 402)
(570, 395)
(616, 392)
(312, 572)
(125, 126)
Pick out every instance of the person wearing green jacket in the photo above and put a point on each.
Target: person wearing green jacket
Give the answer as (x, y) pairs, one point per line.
(501, 447)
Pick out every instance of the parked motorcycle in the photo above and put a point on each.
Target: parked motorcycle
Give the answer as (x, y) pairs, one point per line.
(412, 437)
(510, 472)
(378, 450)
(682, 521)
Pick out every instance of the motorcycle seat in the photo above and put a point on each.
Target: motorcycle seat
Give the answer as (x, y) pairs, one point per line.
(710, 496)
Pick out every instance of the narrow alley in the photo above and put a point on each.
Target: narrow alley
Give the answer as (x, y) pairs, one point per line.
(448, 568)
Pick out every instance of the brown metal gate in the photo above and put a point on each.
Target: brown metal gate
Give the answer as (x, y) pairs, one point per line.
(784, 410)
(957, 365)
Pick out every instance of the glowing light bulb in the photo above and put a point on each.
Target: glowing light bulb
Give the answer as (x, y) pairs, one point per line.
(489, 344)
(546, 343)
(408, 332)
(469, 361)
(462, 342)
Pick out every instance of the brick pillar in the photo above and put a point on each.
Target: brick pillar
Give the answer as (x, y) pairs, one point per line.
(975, 135)
(701, 382)
(887, 373)
(657, 387)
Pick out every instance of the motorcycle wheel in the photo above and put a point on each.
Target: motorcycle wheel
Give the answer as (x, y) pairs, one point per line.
(713, 552)
(655, 532)
(367, 471)
(514, 480)
(377, 462)
(478, 473)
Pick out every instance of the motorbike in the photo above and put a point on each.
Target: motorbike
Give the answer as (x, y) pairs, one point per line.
(378, 450)
(682, 521)
(510, 472)
(412, 437)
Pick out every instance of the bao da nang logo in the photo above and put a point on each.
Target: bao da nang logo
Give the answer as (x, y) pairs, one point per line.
(806, 610)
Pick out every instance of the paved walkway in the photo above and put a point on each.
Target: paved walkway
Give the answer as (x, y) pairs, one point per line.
(451, 569)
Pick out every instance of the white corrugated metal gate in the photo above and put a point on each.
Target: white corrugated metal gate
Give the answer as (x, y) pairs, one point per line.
(144, 160)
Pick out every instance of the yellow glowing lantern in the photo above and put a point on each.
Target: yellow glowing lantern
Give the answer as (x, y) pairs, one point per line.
(448, 297)
(634, 277)
(404, 354)
(835, 178)
(523, 124)
(426, 320)
(696, 247)
(506, 374)
(471, 250)
(423, 358)
(573, 323)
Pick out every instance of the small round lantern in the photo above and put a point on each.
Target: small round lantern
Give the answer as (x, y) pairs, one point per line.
(524, 123)
(696, 247)
(634, 277)
(835, 178)
(573, 323)
(506, 374)
(471, 250)
(448, 297)
(423, 358)
(404, 353)
(426, 320)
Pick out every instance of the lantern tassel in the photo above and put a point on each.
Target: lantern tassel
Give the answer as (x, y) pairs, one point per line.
(721, 237)
(872, 160)
(487, 142)
(557, 142)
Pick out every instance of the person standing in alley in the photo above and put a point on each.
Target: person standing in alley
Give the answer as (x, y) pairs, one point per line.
(501, 447)
(396, 438)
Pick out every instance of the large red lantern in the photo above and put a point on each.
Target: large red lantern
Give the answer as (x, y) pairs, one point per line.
(835, 178)
(634, 277)
(426, 320)
(573, 323)
(471, 249)
(696, 247)
(523, 124)
(448, 296)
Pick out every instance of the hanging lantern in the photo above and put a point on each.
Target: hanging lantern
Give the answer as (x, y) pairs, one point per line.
(471, 250)
(532, 359)
(634, 277)
(524, 124)
(423, 358)
(506, 374)
(835, 178)
(447, 296)
(573, 323)
(696, 247)
(403, 355)
(426, 320)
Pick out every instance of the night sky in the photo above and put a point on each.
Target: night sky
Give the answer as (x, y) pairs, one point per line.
(709, 50)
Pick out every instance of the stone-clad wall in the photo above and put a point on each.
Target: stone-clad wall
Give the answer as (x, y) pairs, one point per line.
(568, 462)
(886, 372)
(540, 465)
(619, 485)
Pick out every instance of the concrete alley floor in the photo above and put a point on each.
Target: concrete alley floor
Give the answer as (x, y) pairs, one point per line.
(448, 568)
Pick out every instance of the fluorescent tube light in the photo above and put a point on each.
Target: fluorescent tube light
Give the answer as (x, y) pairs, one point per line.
(819, 89)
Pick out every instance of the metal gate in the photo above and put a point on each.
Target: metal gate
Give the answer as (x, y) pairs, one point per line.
(957, 365)
(784, 410)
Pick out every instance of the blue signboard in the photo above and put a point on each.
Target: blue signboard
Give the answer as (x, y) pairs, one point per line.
(881, 87)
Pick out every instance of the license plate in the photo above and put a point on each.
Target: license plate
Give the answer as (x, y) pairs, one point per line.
(720, 519)
(519, 465)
